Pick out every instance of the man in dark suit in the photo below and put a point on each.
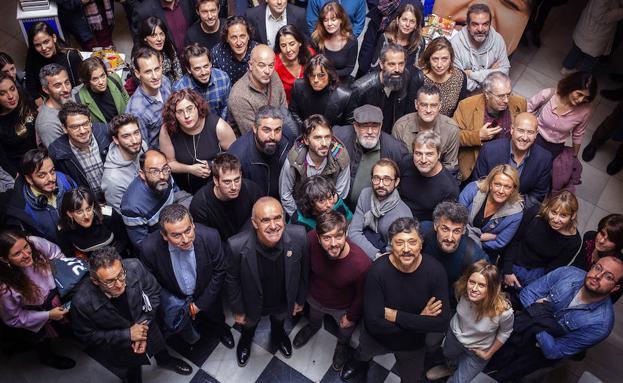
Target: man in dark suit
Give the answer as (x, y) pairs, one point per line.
(114, 314)
(533, 163)
(268, 275)
(188, 261)
(268, 18)
(177, 15)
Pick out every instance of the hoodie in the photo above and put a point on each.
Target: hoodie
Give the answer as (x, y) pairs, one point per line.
(118, 174)
(479, 60)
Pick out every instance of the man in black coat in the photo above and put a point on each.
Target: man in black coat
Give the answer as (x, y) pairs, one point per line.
(268, 275)
(81, 152)
(114, 314)
(278, 13)
(188, 261)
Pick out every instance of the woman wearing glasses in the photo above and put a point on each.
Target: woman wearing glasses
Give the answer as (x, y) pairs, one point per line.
(191, 137)
(319, 92)
(29, 301)
(564, 112)
(85, 227)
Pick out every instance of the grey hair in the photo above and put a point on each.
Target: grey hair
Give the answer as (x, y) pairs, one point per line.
(453, 211)
(487, 84)
(49, 70)
(404, 225)
(428, 138)
(268, 111)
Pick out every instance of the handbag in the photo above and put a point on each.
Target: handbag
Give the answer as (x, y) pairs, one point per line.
(67, 273)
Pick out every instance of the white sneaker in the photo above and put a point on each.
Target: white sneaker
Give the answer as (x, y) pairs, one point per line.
(439, 372)
(565, 72)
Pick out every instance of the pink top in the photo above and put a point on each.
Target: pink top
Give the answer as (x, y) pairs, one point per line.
(13, 310)
(556, 128)
(286, 77)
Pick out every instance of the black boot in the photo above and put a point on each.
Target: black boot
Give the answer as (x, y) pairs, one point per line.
(243, 351)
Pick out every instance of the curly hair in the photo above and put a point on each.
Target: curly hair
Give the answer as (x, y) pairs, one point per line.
(169, 119)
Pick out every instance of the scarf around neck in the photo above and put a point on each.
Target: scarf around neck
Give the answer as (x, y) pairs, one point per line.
(379, 208)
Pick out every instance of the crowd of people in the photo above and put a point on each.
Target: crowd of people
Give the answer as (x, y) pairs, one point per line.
(245, 166)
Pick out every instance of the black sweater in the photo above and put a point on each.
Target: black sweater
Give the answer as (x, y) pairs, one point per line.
(408, 293)
(422, 194)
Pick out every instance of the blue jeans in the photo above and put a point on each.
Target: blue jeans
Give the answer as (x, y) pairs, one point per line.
(467, 364)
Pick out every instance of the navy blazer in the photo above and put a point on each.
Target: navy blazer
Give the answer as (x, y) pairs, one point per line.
(536, 178)
(211, 265)
(256, 16)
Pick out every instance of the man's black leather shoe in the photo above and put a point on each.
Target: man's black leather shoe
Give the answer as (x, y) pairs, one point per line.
(353, 368)
(226, 338)
(243, 353)
(303, 336)
(284, 345)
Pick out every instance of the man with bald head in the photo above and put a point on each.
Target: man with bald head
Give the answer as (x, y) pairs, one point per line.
(533, 163)
(258, 87)
(268, 275)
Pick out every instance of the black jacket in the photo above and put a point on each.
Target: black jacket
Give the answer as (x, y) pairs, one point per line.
(65, 160)
(97, 322)
(369, 90)
(244, 287)
(336, 107)
(256, 16)
(148, 8)
(211, 265)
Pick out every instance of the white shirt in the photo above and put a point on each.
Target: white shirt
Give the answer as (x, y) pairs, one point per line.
(273, 25)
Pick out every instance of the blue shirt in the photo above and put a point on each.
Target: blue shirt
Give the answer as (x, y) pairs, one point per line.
(185, 268)
(216, 93)
(225, 60)
(148, 110)
(512, 161)
(585, 324)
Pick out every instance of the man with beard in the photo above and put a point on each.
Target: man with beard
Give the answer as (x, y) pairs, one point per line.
(484, 117)
(449, 244)
(148, 100)
(226, 201)
(233, 52)
(428, 118)
(268, 275)
(533, 163)
(55, 83)
(426, 182)
(377, 208)
(148, 194)
(211, 83)
(405, 297)
(206, 31)
(81, 151)
(478, 48)
(316, 152)
(122, 165)
(366, 144)
(258, 87)
(578, 302)
(394, 89)
(263, 150)
(337, 276)
(35, 201)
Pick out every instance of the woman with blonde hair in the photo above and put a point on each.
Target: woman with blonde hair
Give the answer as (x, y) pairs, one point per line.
(482, 324)
(495, 208)
(548, 238)
(333, 36)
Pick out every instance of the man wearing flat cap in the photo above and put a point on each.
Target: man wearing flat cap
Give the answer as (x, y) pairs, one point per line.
(366, 144)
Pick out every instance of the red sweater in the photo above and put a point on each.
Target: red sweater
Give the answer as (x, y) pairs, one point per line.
(338, 284)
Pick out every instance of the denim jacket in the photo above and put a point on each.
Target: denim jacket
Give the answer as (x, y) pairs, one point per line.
(586, 324)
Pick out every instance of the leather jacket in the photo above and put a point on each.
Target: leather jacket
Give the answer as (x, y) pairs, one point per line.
(336, 103)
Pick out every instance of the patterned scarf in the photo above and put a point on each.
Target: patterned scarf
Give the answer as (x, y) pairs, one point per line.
(93, 13)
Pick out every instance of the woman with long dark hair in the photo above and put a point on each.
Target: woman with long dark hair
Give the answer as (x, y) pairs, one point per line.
(29, 301)
(44, 48)
(17, 124)
(292, 53)
(153, 34)
(7, 65)
(84, 228)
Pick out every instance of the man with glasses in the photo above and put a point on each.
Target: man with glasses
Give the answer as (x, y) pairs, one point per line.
(578, 302)
(315, 152)
(428, 118)
(377, 208)
(486, 116)
(366, 144)
(115, 315)
(226, 201)
(533, 163)
(81, 151)
(406, 296)
(148, 194)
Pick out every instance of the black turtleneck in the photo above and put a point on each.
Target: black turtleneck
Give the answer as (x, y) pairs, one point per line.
(271, 265)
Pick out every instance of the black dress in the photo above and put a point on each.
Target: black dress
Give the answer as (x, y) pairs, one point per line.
(16, 138)
(188, 149)
(343, 60)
